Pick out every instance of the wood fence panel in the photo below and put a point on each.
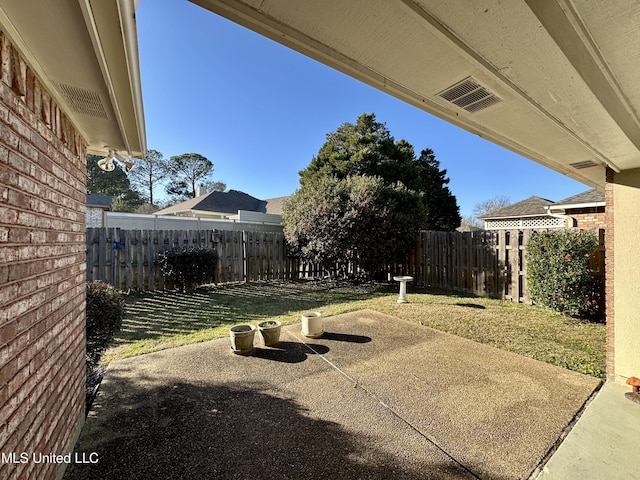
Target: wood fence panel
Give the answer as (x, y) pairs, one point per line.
(526, 235)
(486, 263)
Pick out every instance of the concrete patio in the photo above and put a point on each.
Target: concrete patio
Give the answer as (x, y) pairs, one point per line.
(376, 397)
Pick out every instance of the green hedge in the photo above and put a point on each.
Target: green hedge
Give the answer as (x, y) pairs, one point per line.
(559, 274)
(189, 267)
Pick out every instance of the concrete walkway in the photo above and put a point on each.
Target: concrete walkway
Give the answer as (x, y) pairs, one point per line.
(603, 444)
(375, 398)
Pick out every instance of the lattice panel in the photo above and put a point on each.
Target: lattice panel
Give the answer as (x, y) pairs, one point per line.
(527, 223)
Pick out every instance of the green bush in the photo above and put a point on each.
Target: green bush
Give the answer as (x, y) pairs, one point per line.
(105, 311)
(358, 219)
(559, 274)
(189, 267)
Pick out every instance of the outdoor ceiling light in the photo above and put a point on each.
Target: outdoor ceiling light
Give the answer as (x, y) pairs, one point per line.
(107, 163)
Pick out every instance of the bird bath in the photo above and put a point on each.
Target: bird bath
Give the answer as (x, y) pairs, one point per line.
(402, 298)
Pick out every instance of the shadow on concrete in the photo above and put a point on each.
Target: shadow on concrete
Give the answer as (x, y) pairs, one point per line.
(232, 431)
(346, 337)
(289, 352)
(412, 403)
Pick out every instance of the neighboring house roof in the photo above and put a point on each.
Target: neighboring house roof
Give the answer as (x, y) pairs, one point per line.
(274, 205)
(99, 201)
(219, 202)
(590, 198)
(530, 207)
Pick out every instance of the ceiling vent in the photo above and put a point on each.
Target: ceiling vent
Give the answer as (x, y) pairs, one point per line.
(470, 95)
(583, 164)
(83, 101)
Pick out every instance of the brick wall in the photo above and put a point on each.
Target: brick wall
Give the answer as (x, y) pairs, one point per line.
(42, 273)
(589, 219)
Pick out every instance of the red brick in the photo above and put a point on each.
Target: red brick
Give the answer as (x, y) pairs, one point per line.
(42, 175)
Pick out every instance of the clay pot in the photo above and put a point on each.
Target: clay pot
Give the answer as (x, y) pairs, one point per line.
(312, 324)
(242, 339)
(269, 332)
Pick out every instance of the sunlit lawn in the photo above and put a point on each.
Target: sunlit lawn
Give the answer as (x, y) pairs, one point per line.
(160, 320)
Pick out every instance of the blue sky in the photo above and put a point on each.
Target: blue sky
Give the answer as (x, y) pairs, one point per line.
(260, 111)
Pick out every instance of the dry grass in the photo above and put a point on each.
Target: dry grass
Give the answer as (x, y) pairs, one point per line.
(160, 320)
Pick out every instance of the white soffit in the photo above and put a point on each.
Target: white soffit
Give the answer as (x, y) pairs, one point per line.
(555, 107)
(85, 54)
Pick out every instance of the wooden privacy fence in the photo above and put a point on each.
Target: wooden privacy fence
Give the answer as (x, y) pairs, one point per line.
(126, 258)
(485, 263)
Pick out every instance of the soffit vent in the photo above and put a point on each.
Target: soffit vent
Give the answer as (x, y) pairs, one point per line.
(83, 101)
(583, 164)
(470, 95)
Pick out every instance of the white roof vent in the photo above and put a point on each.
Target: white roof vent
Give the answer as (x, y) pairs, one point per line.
(583, 164)
(83, 101)
(470, 95)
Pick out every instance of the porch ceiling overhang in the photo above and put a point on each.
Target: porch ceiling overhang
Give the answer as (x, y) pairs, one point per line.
(555, 81)
(85, 52)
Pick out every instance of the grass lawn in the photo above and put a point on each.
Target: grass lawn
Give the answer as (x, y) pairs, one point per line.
(160, 320)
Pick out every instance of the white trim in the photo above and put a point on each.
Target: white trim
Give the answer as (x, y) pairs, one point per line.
(527, 223)
(566, 206)
(507, 217)
(126, 17)
(126, 9)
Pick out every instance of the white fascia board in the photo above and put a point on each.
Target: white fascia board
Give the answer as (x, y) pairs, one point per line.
(127, 27)
(576, 205)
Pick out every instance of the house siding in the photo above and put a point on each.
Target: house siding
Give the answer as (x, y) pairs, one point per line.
(42, 272)
(95, 217)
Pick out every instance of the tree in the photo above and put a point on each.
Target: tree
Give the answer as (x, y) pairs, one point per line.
(213, 186)
(471, 223)
(367, 148)
(359, 219)
(186, 171)
(491, 205)
(353, 149)
(442, 211)
(147, 173)
(483, 208)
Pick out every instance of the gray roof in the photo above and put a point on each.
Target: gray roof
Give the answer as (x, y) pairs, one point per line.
(590, 196)
(219, 202)
(530, 207)
(102, 201)
(274, 205)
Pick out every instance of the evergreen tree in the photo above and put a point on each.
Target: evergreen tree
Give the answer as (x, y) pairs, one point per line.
(368, 148)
